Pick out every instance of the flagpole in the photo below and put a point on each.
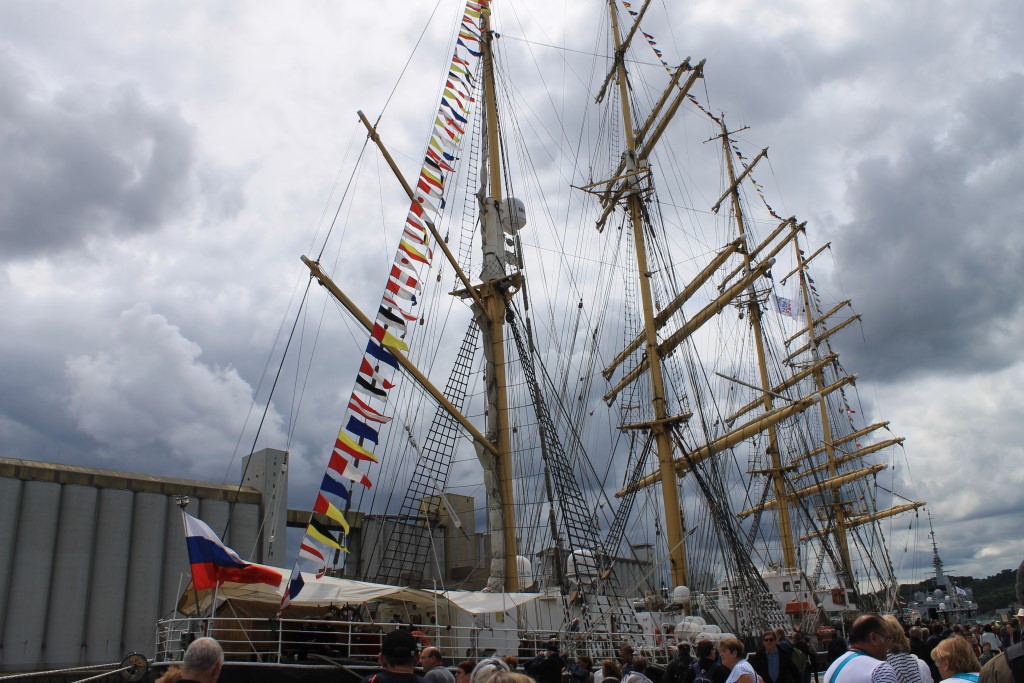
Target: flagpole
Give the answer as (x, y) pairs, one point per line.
(183, 503)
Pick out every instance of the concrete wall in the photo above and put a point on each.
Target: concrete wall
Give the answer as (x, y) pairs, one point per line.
(90, 559)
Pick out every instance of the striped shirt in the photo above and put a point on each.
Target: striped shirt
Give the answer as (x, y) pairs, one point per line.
(906, 667)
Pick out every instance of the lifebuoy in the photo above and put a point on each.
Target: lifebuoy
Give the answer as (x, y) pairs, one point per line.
(421, 638)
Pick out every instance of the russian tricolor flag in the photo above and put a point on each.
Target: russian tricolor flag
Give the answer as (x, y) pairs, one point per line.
(213, 563)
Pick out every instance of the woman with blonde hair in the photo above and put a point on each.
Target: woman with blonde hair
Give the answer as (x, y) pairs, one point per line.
(740, 670)
(955, 659)
(909, 669)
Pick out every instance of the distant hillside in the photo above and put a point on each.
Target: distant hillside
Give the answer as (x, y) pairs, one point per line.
(997, 592)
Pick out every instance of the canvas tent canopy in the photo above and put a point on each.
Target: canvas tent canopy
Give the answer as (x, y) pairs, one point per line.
(327, 591)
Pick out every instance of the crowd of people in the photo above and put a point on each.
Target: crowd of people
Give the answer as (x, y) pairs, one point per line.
(881, 649)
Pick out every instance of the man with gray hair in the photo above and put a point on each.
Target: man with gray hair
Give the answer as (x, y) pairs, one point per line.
(202, 662)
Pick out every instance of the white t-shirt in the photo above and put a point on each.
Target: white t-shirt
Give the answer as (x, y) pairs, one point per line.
(857, 667)
(742, 667)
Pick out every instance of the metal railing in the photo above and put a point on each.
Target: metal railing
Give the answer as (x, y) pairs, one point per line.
(272, 640)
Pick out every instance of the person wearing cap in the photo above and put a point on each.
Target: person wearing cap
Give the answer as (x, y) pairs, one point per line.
(398, 658)
(1007, 666)
(547, 667)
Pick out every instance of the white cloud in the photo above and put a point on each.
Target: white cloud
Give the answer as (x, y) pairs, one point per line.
(183, 167)
(149, 395)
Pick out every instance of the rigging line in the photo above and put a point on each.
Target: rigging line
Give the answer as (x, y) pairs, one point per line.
(266, 408)
(560, 48)
(407, 63)
(563, 414)
(341, 201)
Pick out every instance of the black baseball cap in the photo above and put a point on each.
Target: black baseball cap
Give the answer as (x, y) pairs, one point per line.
(398, 643)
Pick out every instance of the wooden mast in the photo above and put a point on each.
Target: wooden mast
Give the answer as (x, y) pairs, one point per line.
(775, 472)
(493, 291)
(661, 425)
(838, 509)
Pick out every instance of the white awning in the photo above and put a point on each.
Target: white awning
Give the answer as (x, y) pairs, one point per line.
(476, 602)
(327, 591)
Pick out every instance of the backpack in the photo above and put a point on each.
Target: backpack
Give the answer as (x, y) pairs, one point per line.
(678, 671)
(1015, 660)
(799, 659)
(703, 675)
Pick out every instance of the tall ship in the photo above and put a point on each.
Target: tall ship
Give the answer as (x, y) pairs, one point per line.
(598, 342)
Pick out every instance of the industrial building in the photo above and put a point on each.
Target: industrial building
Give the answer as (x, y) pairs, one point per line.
(95, 557)
(92, 558)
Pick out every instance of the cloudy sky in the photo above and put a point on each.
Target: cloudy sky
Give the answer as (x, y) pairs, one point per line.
(163, 165)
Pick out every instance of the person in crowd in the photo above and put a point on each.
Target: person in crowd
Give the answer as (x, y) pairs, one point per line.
(772, 663)
(1005, 634)
(638, 672)
(486, 669)
(707, 668)
(172, 674)
(626, 653)
(919, 648)
(837, 647)
(865, 660)
(987, 653)
(680, 669)
(1008, 665)
(546, 667)
(398, 658)
(908, 668)
(783, 642)
(582, 670)
(463, 670)
(610, 672)
(802, 643)
(513, 663)
(433, 666)
(202, 661)
(740, 670)
(509, 677)
(956, 660)
(988, 635)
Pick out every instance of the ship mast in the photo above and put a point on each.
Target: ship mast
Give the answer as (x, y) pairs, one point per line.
(775, 472)
(661, 426)
(496, 285)
(842, 520)
(838, 509)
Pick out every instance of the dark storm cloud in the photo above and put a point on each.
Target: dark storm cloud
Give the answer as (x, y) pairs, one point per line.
(934, 241)
(91, 162)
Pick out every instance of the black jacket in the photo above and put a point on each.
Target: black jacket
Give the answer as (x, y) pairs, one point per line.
(546, 668)
(787, 672)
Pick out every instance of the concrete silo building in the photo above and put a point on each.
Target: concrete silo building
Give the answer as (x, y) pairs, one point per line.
(92, 558)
